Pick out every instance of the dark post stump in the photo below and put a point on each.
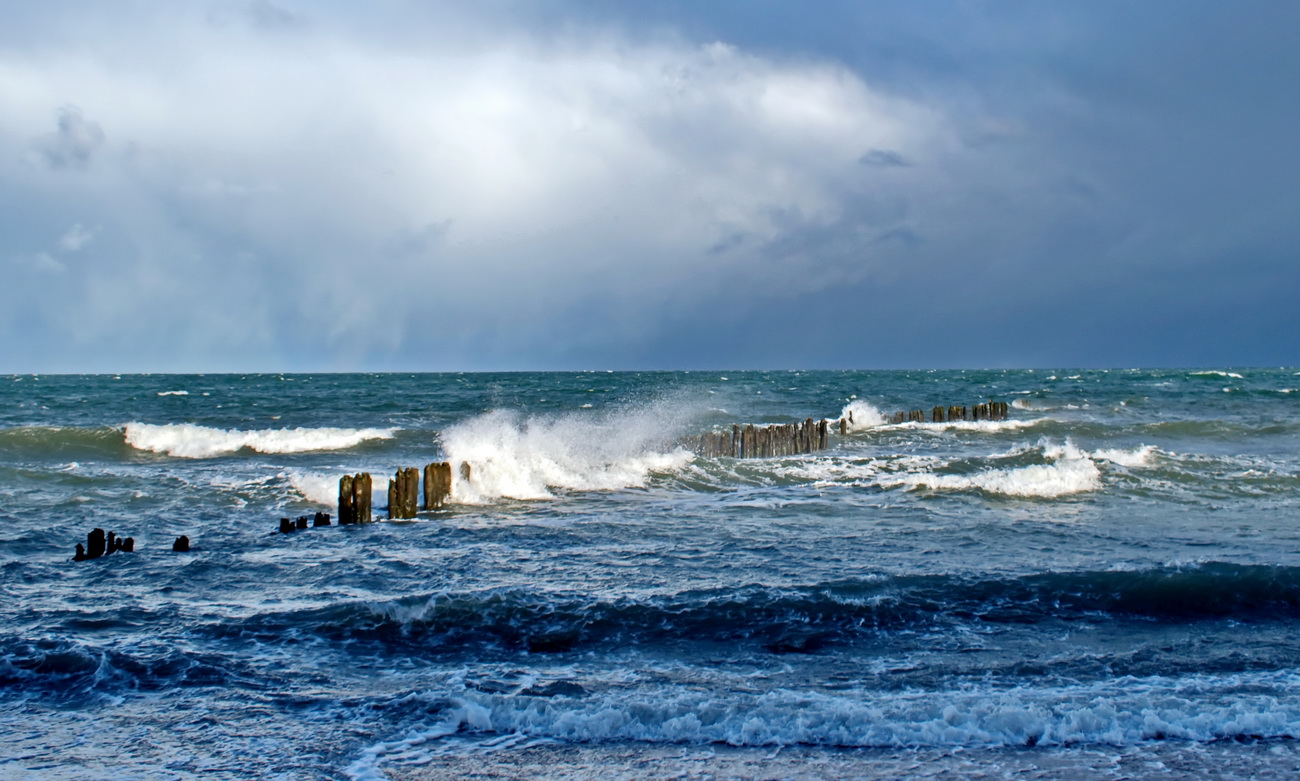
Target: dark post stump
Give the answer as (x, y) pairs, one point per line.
(361, 488)
(95, 544)
(347, 510)
(182, 544)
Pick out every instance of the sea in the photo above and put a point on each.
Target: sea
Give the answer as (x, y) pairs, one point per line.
(1106, 583)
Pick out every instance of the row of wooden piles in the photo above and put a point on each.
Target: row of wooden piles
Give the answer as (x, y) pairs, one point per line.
(403, 492)
(752, 441)
(993, 410)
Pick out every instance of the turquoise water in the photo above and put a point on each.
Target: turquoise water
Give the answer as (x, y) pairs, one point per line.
(1117, 565)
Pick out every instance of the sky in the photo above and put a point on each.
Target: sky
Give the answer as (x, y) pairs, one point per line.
(284, 185)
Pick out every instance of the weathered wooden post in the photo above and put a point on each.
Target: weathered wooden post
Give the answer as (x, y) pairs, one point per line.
(465, 471)
(437, 485)
(361, 487)
(403, 493)
(844, 427)
(354, 498)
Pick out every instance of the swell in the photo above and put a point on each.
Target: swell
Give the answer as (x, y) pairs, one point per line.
(69, 443)
(74, 668)
(803, 619)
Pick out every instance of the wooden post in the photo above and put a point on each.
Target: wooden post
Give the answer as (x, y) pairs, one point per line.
(437, 485)
(844, 427)
(347, 509)
(403, 493)
(936, 415)
(465, 471)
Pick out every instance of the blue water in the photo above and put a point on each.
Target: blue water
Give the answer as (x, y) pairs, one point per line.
(1115, 565)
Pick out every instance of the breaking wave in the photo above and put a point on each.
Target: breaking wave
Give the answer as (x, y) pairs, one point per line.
(862, 416)
(187, 440)
(1068, 470)
(1113, 713)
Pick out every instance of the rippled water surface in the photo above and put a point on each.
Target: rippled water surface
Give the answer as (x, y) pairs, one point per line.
(1113, 569)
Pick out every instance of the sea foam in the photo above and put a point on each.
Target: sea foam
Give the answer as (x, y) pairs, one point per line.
(862, 415)
(1072, 474)
(527, 457)
(1121, 712)
(187, 440)
(1070, 470)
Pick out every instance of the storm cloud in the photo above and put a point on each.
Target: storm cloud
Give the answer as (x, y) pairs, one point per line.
(419, 188)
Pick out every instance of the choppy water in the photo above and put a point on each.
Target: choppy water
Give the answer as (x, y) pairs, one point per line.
(1116, 566)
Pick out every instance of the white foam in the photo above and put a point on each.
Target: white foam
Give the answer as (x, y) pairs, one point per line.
(1117, 712)
(1138, 456)
(862, 416)
(174, 393)
(1071, 470)
(1026, 404)
(186, 440)
(518, 457)
(1216, 373)
(323, 489)
(986, 426)
(1046, 481)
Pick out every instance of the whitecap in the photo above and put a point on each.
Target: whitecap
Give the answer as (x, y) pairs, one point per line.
(187, 440)
(528, 457)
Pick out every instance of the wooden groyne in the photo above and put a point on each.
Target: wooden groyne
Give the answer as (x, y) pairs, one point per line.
(740, 441)
(993, 410)
(792, 439)
(752, 441)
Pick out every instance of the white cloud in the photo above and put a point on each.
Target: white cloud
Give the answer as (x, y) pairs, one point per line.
(77, 237)
(44, 262)
(557, 172)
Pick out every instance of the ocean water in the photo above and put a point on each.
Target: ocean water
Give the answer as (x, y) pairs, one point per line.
(1111, 575)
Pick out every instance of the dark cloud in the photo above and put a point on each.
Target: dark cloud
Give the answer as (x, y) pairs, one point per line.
(74, 143)
(673, 184)
(884, 158)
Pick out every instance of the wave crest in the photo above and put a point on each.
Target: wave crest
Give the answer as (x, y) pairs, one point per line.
(187, 440)
(527, 457)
